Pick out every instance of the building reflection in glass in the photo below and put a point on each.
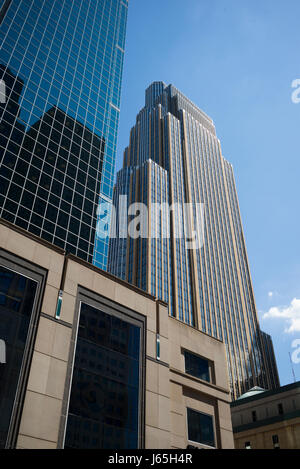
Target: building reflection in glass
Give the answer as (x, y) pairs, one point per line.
(17, 295)
(104, 405)
(65, 56)
(50, 175)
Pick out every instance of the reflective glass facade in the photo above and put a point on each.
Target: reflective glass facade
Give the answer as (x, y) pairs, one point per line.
(268, 350)
(105, 403)
(210, 287)
(17, 297)
(61, 62)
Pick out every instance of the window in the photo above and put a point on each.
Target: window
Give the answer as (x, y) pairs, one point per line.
(19, 303)
(200, 428)
(254, 416)
(280, 409)
(105, 403)
(248, 445)
(275, 440)
(197, 366)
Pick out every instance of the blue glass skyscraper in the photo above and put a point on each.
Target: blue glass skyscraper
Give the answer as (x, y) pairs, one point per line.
(61, 65)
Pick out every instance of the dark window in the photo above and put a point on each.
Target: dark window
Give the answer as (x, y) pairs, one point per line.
(85, 232)
(74, 226)
(72, 239)
(50, 227)
(104, 403)
(65, 207)
(11, 206)
(34, 230)
(30, 186)
(275, 440)
(8, 216)
(71, 171)
(197, 366)
(27, 199)
(88, 207)
(17, 294)
(81, 176)
(48, 169)
(61, 233)
(94, 162)
(6, 172)
(51, 213)
(83, 245)
(67, 194)
(70, 249)
(45, 181)
(14, 192)
(254, 416)
(39, 206)
(280, 409)
(22, 223)
(42, 193)
(59, 242)
(75, 212)
(47, 236)
(87, 219)
(200, 428)
(248, 445)
(20, 180)
(63, 220)
(3, 185)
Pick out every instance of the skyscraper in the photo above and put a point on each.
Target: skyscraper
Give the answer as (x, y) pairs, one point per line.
(269, 353)
(174, 157)
(61, 64)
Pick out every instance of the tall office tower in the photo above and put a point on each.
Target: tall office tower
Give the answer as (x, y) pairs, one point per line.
(268, 350)
(174, 156)
(61, 66)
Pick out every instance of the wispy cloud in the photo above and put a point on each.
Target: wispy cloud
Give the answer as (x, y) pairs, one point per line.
(270, 294)
(289, 314)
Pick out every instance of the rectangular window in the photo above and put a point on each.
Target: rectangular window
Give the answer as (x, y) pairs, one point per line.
(200, 428)
(105, 409)
(275, 440)
(248, 445)
(280, 409)
(254, 416)
(20, 297)
(197, 366)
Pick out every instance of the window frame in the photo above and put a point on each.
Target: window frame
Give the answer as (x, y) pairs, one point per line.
(39, 275)
(197, 443)
(98, 301)
(211, 370)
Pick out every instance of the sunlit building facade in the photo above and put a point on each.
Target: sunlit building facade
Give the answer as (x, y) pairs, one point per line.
(61, 63)
(174, 156)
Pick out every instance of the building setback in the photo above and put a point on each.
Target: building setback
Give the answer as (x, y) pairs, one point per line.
(93, 362)
(61, 62)
(175, 157)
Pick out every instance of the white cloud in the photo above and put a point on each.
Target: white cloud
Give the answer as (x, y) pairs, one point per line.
(270, 294)
(290, 314)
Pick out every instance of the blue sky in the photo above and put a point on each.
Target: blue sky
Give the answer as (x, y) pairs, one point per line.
(236, 59)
